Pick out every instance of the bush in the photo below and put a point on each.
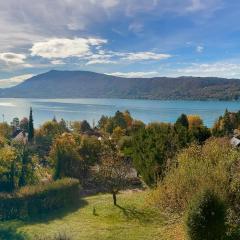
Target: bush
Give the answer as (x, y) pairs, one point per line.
(36, 200)
(205, 218)
(10, 233)
(58, 236)
(198, 168)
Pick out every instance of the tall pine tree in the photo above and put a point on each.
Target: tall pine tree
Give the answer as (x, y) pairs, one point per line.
(30, 127)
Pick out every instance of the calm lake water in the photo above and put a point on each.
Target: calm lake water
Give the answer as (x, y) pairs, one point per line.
(92, 109)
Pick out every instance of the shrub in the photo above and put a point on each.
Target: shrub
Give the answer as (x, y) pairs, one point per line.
(10, 233)
(36, 200)
(205, 218)
(198, 167)
(58, 236)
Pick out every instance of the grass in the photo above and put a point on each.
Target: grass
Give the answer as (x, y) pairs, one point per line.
(98, 219)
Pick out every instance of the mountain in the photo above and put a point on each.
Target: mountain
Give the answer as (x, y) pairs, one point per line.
(83, 84)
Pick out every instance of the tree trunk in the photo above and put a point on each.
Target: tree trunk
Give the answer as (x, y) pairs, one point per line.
(114, 198)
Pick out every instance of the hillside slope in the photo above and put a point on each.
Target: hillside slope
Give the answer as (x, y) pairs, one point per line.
(82, 84)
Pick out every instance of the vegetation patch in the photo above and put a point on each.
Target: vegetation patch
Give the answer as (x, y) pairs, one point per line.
(32, 201)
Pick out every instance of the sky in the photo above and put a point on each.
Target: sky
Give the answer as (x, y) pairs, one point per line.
(130, 38)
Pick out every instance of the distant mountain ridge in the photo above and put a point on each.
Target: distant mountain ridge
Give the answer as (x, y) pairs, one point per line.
(84, 84)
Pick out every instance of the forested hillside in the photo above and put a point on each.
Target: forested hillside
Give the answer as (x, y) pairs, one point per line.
(82, 84)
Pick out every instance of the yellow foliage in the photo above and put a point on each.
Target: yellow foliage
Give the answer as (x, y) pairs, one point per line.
(194, 121)
(197, 167)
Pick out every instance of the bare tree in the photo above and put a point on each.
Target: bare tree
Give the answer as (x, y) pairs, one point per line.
(114, 170)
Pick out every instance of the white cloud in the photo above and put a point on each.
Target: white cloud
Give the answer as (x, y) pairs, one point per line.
(140, 56)
(64, 47)
(12, 58)
(100, 61)
(134, 74)
(57, 62)
(218, 69)
(9, 82)
(199, 49)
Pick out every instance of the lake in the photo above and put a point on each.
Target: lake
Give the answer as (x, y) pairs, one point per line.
(92, 109)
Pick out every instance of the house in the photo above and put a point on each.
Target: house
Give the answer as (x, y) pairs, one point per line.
(21, 137)
(235, 142)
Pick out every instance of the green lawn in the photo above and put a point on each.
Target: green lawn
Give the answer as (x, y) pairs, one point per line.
(132, 220)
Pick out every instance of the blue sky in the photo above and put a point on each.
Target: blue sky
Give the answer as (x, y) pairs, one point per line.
(132, 38)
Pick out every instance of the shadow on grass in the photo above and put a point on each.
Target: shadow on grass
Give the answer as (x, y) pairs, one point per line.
(132, 213)
(56, 214)
(10, 234)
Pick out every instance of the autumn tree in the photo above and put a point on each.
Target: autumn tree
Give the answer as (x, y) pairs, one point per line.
(114, 170)
(194, 121)
(5, 130)
(65, 157)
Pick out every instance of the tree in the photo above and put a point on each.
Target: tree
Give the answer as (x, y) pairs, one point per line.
(24, 124)
(206, 217)
(26, 175)
(89, 150)
(10, 168)
(5, 130)
(200, 134)
(30, 127)
(113, 170)
(118, 132)
(194, 121)
(183, 121)
(67, 162)
(45, 135)
(120, 120)
(102, 122)
(152, 148)
(182, 128)
(85, 127)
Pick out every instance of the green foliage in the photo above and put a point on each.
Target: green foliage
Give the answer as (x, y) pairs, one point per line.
(152, 147)
(16, 167)
(85, 127)
(30, 127)
(73, 155)
(121, 120)
(89, 150)
(32, 201)
(205, 218)
(5, 130)
(65, 157)
(9, 168)
(197, 168)
(45, 135)
(81, 127)
(226, 124)
(10, 234)
(26, 176)
(199, 134)
(182, 121)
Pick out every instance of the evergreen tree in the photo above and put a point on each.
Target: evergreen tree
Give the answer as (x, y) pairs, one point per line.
(26, 174)
(183, 121)
(30, 127)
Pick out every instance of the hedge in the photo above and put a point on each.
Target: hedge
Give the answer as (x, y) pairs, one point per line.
(33, 201)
